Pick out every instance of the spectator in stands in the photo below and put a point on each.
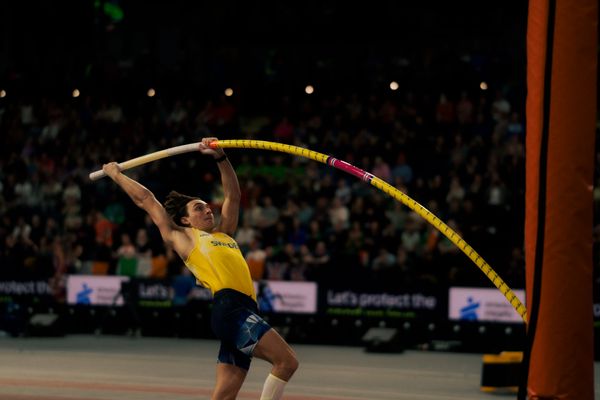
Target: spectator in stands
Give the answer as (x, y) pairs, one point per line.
(384, 259)
(256, 257)
(182, 285)
(382, 169)
(245, 235)
(284, 131)
(143, 253)
(464, 109)
(126, 257)
(339, 213)
(402, 169)
(445, 113)
(276, 265)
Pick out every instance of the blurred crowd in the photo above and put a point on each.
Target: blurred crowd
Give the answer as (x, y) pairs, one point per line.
(460, 155)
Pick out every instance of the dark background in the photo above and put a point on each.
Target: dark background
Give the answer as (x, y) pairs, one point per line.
(261, 48)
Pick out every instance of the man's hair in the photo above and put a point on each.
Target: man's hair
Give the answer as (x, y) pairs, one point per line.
(176, 206)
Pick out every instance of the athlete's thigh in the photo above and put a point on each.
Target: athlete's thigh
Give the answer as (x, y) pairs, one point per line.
(272, 347)
(229, 381)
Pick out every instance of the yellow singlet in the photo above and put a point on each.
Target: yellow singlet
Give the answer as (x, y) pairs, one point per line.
(217, 263)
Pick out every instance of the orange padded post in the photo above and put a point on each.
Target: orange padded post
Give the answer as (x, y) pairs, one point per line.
(562, 42)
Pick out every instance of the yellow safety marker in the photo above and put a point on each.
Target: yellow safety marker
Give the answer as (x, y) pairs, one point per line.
(501, 372)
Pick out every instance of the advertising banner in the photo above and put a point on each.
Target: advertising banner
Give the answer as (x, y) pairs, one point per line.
(379, 304)
(287, 297)
(482, 304)
(95, 290)
(272, 296)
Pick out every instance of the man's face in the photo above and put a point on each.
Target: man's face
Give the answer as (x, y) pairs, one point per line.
(200, 216)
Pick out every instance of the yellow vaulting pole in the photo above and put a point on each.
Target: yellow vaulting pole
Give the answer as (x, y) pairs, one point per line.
(398, 195)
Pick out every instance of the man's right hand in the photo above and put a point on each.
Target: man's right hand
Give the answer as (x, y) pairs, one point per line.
(111, 169)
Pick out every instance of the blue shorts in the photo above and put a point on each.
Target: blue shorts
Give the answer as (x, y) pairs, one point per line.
(236, 323)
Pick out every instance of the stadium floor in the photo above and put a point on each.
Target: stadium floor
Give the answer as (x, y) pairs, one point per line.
(87, 367)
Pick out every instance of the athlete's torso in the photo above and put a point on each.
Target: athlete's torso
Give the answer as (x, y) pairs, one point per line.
(217, 263)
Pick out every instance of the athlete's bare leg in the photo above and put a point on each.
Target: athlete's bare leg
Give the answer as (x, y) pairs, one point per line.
(229, 381)
(274, 349)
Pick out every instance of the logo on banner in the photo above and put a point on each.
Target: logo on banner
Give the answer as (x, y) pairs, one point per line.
(481, 304)
(469, 312)
(267, 297)
(83, 296)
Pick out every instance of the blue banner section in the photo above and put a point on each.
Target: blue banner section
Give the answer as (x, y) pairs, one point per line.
(163, 293)
(25, 289)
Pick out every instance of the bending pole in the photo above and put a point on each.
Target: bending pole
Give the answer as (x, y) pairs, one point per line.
(395, 193)
(352, 170)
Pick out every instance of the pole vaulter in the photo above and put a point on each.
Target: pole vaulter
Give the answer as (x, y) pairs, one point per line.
(359, 173)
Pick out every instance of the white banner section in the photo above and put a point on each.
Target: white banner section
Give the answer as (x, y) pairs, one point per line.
(95, 290)
(482, 304)
(287, 297)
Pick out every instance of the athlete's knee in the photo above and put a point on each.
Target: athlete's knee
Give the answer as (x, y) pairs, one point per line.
(293, 363)
(286, 366)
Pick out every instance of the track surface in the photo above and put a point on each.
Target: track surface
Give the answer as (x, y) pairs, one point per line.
(118, 367)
